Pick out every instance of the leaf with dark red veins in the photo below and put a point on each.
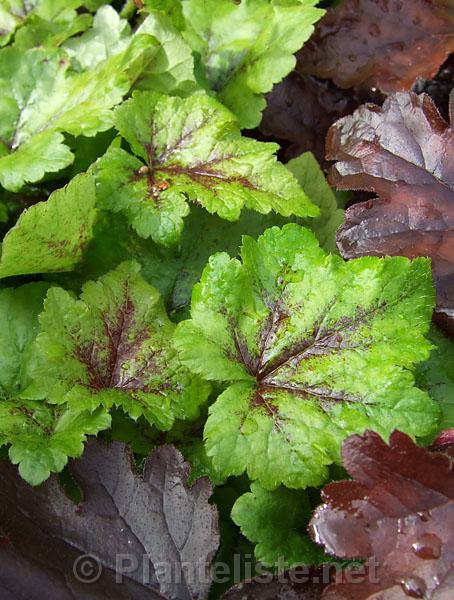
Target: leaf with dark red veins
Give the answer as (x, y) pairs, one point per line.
(149, 538)
(387, 44)
(302, 583)
(398, 511)
(190, 149)
(403, 152)
(114, 347)
(313, 348)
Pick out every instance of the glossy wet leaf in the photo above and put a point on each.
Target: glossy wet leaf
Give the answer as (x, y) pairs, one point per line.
(387, 44)
(312, 349)
(399, 510)
(404, 153)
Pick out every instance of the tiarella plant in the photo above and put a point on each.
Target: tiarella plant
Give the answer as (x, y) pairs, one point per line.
(179, 280)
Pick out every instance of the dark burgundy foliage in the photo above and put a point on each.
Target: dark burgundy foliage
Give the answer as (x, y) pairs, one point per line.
(404, 153)
(156, 520)
(386, 44)
(301, 109)
(398, 511)
(302, 583)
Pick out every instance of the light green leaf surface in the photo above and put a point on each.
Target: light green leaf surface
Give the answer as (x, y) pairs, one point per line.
(52, 235)
(114, 347)
(314, 349)
(311, 178)
(276, 522)
(244, 48)
(43, 97)
(190, 148)
(41, 437)
(436, 375)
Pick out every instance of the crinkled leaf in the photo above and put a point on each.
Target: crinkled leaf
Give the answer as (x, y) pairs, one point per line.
(404, 153)
(42, 97)
(39, 32)
(276, 521)
(190, 148)
(246, 47)
(302, 583)
(385, 44)
(399, 510)
(41, 437)
(436, 375)
(311, 178)
(314, 349)
(51, 235)
(157, 522)
(113, 347)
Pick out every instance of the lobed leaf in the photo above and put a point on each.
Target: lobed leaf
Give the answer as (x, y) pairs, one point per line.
(190, 148)
(404, 153)
(398, 510)
(312, 349)
(113, 347)
(387, 44)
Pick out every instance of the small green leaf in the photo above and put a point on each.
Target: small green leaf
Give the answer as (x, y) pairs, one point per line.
(313, 348)
(114, 347)
(52, 235)
(190, 148)
(247, 47)
(276, 522)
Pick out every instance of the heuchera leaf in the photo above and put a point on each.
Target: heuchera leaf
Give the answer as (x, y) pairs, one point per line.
(149, 537)
(51, 235)
(436, 375)
(276, 521)
(381, 43)
(398, 510)
(246, 47)
(113, 347)
(404, 153)
(190, 148)
(14, 13)
(301, 583)
(313, 349)
(43, 97)
(40, 436)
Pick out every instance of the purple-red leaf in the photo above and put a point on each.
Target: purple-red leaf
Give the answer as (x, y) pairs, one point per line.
(404, 152)
(132, 537)
(398, 511)
(301, 583)
(380, 43)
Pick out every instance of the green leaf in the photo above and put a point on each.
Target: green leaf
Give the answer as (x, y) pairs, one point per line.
(42, 97)
(313, 348)
(190, 148)
(276, 522)
(311, 178)
(114, 347)
(246, 47)
(108, 36)
(172, 70)
(39, 32)
(52, 235)
(14, 13)
(171, 8)
(436, 375)
(41, 437)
